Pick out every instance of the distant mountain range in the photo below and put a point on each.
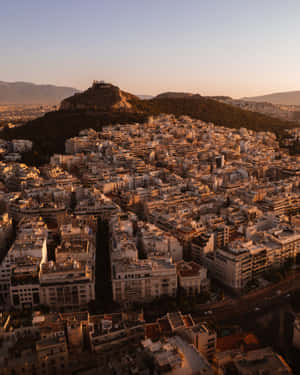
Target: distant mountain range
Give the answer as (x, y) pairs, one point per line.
(30, 93)
(285, 98)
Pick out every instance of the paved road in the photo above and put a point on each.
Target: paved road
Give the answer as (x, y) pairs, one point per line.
(252, 302)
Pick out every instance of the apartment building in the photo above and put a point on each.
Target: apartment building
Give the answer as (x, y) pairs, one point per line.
(232, 267)
(21, 145)
(24, 283)
(287, 239)
(67, 285)
(260, 361)
(284, 204)
(202, 245)
(23, 259)
(160, 243)
(112, 341)
(203, 337)
(6, 229)
(192, 277)
(222, 236)
(143, 280)
(52, 355)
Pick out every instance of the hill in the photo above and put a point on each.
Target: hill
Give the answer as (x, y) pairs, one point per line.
(285, 98)
(177, 95)
(100, 97)
(210, 110)
(30, 93)
(99, 106)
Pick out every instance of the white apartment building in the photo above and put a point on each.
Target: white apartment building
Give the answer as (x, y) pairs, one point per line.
(288, 240)
(203, 337)
(192, 277)
(52, 355)
(24, 285)
(158, 242)
(21, 145)
(143, 280)
(77, 231)
(243, 261)
(283, 204)
(231, 267)
(31, 244)
(78, 144)
(202, 245)
(67, 285)
(77, 249)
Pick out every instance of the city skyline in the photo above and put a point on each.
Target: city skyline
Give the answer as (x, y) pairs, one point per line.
(213, 49)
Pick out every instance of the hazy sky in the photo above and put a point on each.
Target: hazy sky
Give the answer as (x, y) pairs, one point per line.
(214, 47)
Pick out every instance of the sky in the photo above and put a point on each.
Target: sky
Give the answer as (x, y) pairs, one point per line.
(212, 47)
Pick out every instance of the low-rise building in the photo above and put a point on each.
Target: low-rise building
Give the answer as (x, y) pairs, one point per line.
(192, 277)
(261, 361)
(203, 337)
(52, 355)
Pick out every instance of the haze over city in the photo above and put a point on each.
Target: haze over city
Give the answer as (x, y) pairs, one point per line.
(233, 48)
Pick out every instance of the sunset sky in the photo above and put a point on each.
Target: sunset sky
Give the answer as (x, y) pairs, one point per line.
(216, 47)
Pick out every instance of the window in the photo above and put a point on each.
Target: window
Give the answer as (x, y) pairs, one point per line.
(16, 300)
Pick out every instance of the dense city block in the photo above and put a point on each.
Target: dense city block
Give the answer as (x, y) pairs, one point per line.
(146, 248)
